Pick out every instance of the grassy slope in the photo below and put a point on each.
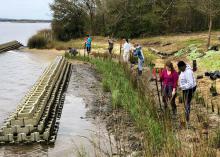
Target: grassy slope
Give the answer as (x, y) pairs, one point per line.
(157, 136)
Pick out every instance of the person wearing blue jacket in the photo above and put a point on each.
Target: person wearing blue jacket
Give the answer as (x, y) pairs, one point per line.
(139, 53)
(88, 44)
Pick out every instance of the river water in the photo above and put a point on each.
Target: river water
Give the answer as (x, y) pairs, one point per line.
(19, 71)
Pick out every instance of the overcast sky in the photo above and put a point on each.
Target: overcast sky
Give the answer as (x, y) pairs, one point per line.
(25, 9)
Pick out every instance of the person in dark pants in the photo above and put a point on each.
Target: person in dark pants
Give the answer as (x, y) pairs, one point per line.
(187, 83)
(110, 45)
(169, 79)
(73, 51)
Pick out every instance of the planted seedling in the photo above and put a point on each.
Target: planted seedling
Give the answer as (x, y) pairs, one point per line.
(213, 89)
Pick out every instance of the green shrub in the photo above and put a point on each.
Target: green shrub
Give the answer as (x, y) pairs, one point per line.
(37, 41)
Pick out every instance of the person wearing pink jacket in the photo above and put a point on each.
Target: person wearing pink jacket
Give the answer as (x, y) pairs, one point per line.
(169, 78)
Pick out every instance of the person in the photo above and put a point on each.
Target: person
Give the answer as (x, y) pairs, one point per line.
(73, 51)
(187, 83)
(139, 53)
(127, 49)
(169, 79)
(110, 45)
(88, 44)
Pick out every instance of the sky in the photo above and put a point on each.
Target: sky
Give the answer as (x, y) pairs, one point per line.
(25, 9)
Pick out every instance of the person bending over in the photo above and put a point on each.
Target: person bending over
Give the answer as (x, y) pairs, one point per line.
(169, 79)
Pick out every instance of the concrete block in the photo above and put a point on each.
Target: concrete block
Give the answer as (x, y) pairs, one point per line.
(7, 130)
(19, 122)
(32, 137)
(8, 138)
(46, 135)
(14, 128)
(2, 138)
(23, 130)
(37, 136)
(40, 127)
(31, 128)
(22, 137)
(32, 121)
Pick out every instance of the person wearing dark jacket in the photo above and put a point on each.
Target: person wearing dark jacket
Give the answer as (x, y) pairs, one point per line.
(110, 45)
(169, 79)
(187, 83)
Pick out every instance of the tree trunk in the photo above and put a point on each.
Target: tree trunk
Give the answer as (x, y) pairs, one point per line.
(210, 30)
(91, 22)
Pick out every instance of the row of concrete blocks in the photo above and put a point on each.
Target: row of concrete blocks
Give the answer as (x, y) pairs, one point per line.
(27, 129)
(10, 46)
(28, 95)
(53, 126)
(30, 107)
(23, 137)
(37, 109)
(41, 82)
(49, 113)
(49, 129)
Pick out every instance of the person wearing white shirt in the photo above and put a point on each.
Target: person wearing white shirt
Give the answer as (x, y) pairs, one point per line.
(187, 83)
(127, 49)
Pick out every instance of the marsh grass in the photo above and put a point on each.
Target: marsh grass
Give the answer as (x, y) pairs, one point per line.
(43, 39)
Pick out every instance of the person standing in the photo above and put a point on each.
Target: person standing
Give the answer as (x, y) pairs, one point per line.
(169, 79)
(127, 49)
(139, 53)
(110, 45)
(88, 44)
(187, 83)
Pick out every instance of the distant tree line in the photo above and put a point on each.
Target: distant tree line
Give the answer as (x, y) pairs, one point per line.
(132, 18)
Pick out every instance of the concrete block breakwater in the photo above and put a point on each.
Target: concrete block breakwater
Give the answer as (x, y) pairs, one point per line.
(36, 118)
(13, 45)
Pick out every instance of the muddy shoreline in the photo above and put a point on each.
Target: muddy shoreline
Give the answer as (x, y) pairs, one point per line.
(122, 135)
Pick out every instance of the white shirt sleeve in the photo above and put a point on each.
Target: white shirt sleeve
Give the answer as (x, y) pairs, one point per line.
(187, 81)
